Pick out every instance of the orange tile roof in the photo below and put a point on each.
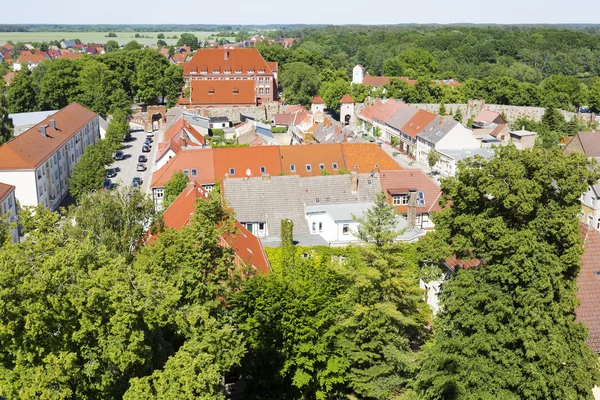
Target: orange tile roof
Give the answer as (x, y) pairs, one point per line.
(394, 181)
(179, 57)
(588, 283)
(387, 111)
(347, 99)
(163, 148)
(192, 158)
(5, 190)
(317, 100)
(223, 92)
(367, 157)
(369, 112)
(31, 148)
(247, 247)
(71, 56)
(273, 65)
(418, 122)
(317, 154)
(455, 263)
(181, 125)
(243, 158)
(8, 78)
(227, 60)
(31, 58)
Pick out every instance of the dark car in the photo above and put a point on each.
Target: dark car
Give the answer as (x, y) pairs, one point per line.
(142, 159)
(119, 155)
(146, 149)
(107, 184)
(149, 140)
(147, 143)
(137, 181)
(111, 173)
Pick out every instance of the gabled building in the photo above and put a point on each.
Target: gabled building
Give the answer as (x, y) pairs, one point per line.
(179, 135)
(29, 60)
(444, 132)
(8, 209)
(40, 161)
(588, 283)
(229, 77)
(406, 124)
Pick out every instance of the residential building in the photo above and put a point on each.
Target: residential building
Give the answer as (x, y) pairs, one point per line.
(229, 77)
(588, 283)
(208, 166)
(9, 77)
(399, 186)
(523, 139)
(8, 208)
(491, 123)
(24, 121)
(394, 126)
(444, 133)
(247, 247)
(360, 76)
(179, 135)
(408, 132)
(449, 158)
(29, 60)
(40, 161)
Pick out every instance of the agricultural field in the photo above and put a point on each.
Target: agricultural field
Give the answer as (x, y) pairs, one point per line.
(99, 37)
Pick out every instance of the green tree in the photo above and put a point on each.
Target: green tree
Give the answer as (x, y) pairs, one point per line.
(149, 76)
(288, 249)
(60, 84)
(174, 187)
(96, 86)
(516, 213)
(594, 95)
(172, 84)
(111, 45)
(6, 123)
(332, 93)
(394, 141)
(458, 115)
(300, 83)
(433, 158)
(442, 110)
(133, 45)
(188, 39)
(160, 36)
(161, 43)
(378, 225)
(21, 94)
(88, 173)
(411, 62)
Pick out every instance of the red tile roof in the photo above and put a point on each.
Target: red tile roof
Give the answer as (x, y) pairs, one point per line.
(273, 65)
(418, 122)
(227, 60)
(455, 263)
(369, 112)
(243, 158)
(70, 56)
(247, 247)
(233, 92)
(8, 78)
(31, 148)
(31, 58)
(180, 127)
(179, 57)
(5, 190)
(314, 155)
(193, 158)
(489, 116)
(317, 100)
(367, 157)
(400, 181)
(588, 311)
(347, 99)
(387, 111)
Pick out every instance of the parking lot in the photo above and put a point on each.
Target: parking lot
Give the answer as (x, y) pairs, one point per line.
(132, 149)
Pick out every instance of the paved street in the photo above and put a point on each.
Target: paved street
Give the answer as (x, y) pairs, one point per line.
(132, 150)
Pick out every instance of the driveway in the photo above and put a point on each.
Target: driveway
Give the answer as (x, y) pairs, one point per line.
(132, 150)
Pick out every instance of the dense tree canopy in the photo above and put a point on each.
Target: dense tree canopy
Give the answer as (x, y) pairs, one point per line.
(300, 82)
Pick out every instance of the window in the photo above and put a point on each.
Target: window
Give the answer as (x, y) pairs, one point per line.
(250, 71)
(292, 168)
(260, 91)
(231, 171)
(420, 199)
(215, 71)
(261, 226)
(356, 167)
(267, 81)
(400, 200)
(314, 227)
(369, 181)
(211, 91)
(260, 81)
(376, 166)
(318, 200)
(320, 227)
(194, 172)
(590, 220)
(238, 71)
(321, 167)
(186, 172)
(583, 198)
(263, 170)
(308, 167)
(236, 91)
(346, 229)
(334, 166)
(268, 91)
(159, 193)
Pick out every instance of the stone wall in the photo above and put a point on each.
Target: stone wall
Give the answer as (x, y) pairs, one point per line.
(260, 113)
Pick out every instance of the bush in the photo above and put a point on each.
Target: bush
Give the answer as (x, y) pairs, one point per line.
(217, 132)
(279, 129)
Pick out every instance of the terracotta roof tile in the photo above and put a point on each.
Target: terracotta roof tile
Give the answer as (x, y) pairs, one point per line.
(588, 282)
(31, 148)
(223, 92)
(227, 59)
(369, 112)
(489, 116)
(365, 157)
(182, 129)
(8, 78)
(192, 158)
(243, 158)
(400, 181)
(5, 190)
(455, 263)
(317, 100)
(418, 122)
(387, 111)
(590, 141)
(347, 99)
(313, 155)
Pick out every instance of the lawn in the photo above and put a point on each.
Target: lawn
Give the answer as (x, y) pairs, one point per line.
(97, 37)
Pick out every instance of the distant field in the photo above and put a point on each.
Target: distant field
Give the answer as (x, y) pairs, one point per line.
(97, 37)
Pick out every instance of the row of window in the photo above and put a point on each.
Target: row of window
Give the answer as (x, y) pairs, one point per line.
(266, 91)
(592, 200)
(402, 200)
(228, 71)
(308, 167)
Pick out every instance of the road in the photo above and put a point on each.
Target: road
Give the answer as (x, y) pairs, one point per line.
(132, 150)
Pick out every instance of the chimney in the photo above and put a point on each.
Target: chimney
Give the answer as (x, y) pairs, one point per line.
(266, 177)
(354, 180)
(43, 130)
(411, 217)
(53, 124)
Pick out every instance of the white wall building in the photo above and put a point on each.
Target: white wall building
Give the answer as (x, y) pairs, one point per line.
(444, 133)
(448, 163)
(8, 208)
(40, 161)
(358, 74)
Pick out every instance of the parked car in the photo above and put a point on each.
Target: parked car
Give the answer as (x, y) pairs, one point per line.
(150, 134)
(141, 167)
(142, 159)
(137, 181)
(107, 184)
(111, 173)
(148, 143)
(146, 149)
(119, 155)
(149, 140)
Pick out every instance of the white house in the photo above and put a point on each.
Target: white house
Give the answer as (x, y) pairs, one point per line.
(444, 133)
(448, 162)
(335, 222)
(40, 161)
(8, 208)
(358, 74)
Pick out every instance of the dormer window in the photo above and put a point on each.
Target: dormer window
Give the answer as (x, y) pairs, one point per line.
(263, 170)
(334, 166)
(238, 71)
(227, 71)
(261, 71)
(250, 71)
(401, 200)
(216, 71)
(292, 168)
(231, 171)
(308, 167)
(204, 71)
(321, 167)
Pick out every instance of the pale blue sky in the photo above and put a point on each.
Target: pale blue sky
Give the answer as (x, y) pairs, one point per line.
(299, 12)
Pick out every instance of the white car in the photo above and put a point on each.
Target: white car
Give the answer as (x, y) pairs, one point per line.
(149, 134)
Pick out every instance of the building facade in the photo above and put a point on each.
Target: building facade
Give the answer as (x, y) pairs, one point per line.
(8, 209)
(40, 161)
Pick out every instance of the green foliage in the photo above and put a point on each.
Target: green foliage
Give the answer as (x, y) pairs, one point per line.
(6, 123)
(507, 329)
(21, 94)
(174, 187)
(411, 62)
(395, 141)
(188, 39)
(279, 129)
(172, 84)
(60, 84)
(89, 174)
(217, 132)
(433, 158)
(133, 45)
(111, 34)
(300, 83)
(287, 243)
(458, 115)
(111, 45)
(378, 224)
(442, 110)
(594, 95)
(332, 93)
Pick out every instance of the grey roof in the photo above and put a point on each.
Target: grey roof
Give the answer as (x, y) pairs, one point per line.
(337, 189)
(340, 212)
(399, 119)
(437, 129)
(193, 119)
(522, 133)
(300, 240)
(30, 118)
(218, 119)
(461, 154)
